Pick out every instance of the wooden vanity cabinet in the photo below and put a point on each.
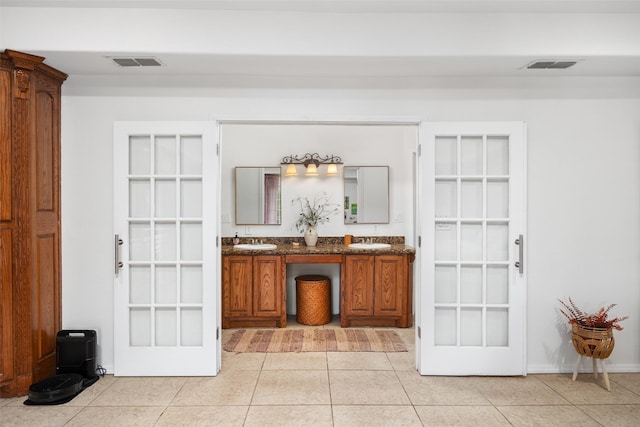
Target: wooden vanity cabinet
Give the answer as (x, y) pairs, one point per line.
(253, 291)
(377, 290)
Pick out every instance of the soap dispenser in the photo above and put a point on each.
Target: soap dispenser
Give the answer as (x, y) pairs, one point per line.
(236, 239)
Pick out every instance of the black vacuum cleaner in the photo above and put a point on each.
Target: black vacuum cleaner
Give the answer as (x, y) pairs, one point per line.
(75, 369)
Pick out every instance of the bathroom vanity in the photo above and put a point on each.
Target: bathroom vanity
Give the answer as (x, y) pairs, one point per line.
(252, 291)
(376, 284)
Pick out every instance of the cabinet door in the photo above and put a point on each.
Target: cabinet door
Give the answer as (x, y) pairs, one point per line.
(389, 285)
(46, 317)
(358, 292)
(5, 145)
(6, 341)
(267, 286)
(237, 286)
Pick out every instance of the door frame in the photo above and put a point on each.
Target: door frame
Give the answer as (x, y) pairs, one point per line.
(345, 121)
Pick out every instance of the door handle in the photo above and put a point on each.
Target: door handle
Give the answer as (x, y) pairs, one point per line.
(117, 263)
(520, 263)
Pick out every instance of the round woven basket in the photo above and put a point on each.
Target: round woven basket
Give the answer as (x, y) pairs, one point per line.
(313, 300)
(592, 342)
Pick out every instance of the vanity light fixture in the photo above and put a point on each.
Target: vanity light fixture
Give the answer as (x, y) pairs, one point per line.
(311, 163)
(291, 170)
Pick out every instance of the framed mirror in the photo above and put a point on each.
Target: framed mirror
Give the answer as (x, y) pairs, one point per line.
(366, 194)
(258, 195)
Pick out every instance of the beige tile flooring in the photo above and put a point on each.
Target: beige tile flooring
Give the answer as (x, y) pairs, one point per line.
(338, 389)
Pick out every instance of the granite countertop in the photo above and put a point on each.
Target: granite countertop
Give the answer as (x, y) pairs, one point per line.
(321, 249)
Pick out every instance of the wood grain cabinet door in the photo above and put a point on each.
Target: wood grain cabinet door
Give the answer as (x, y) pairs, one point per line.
(45, 191)
(6, 337)
(358, 290)
(267, 285)
(389, 285)
(6, 324)
(237, 286)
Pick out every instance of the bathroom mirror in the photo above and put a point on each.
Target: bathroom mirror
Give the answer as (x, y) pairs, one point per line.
(258, 195)
(366, 194)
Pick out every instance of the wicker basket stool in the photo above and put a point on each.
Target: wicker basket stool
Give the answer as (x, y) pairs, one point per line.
(313, 300)
(596, 343)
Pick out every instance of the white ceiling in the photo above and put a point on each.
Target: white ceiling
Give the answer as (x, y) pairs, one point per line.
(358, 6)
(254, 70)
(193, 65)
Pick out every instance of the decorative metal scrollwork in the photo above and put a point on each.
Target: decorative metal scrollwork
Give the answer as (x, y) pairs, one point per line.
(309, 158)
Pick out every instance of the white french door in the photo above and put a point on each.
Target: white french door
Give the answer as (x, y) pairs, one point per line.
(472, 226)
(166, 314)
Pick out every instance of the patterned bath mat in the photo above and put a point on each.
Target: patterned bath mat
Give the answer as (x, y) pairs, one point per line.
(301, 340)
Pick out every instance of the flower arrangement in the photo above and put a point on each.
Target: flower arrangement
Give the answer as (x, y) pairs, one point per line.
(600, 319)
(314, 213)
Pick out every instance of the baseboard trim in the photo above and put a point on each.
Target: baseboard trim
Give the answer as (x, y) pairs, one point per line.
(584, 367)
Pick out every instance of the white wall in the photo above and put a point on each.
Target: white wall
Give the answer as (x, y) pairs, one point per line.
(583, 196)
(358, 145)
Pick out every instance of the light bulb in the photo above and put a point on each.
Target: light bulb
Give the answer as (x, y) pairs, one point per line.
(312, 170)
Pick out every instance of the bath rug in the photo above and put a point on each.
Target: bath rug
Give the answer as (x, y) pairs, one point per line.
(308, 339)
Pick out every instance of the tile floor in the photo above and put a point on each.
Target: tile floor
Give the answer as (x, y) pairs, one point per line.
(338, 389)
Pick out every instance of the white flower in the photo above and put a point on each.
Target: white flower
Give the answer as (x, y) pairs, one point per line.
(312, 214)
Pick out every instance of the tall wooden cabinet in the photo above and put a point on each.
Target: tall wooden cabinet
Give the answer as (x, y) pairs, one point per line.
(253, 291)
(30, 288)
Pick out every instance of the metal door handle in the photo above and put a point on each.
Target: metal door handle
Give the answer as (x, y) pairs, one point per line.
(520, 263)
(117, 263)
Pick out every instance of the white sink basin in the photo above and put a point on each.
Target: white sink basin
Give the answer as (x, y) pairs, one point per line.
(369, 246)
(256, 247)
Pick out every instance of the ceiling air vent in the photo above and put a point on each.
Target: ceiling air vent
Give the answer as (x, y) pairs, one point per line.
(551, 65)
(137, 62)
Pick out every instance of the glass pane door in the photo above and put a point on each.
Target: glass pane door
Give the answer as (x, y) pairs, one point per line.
(166, 260)
(474, 298)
